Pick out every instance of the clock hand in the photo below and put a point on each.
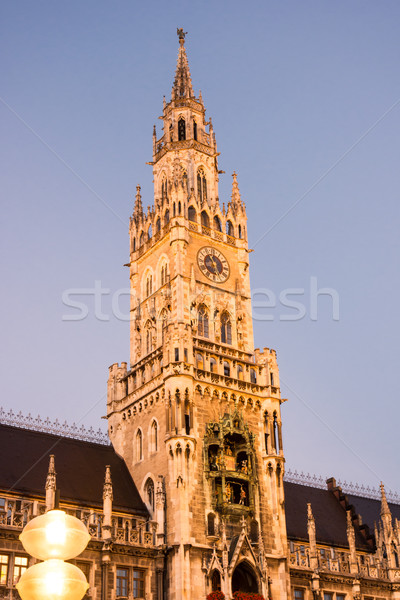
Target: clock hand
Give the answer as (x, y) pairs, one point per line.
(215, 266)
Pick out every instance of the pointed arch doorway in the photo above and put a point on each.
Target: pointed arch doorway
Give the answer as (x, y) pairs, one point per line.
(244, 579)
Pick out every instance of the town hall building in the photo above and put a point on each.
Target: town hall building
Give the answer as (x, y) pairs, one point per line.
(190, 498)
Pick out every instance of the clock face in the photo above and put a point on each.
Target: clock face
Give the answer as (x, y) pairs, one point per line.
(213, 264)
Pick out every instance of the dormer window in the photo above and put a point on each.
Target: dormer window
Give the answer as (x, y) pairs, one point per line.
(181, 129)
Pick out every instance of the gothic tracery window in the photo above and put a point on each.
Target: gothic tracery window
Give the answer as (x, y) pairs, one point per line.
(226, 329)
(149, 489)
(164, 274)
(181, 129)
(164, 188)
(192, 214)
(194, 129)
(149, 285)
(217, 223)
(201, 185)
(229, 229)
(202, 321)
(149, 341)
(154, 436)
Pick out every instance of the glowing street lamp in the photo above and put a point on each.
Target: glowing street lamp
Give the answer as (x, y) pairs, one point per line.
(53, 537)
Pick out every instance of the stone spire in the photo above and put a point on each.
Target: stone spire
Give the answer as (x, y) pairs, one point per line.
(386, 515)
(182, 87)
(138, 208)
(51, 484)
(235, 198)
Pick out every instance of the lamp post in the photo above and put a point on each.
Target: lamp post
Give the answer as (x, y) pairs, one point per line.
(53, 538)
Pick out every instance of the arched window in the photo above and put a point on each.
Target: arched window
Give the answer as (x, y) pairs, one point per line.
(253, 376)
(227, 369)
(181, 129)
(202, 321)
(226, 329)
(204, 219)
(213, 365)
(276, 433)
(192, 214)
(217, 223)
(194, 129)
(266, 431)
(149, 285)
(199, 361)
(139, 445)
(188, 423)
(149, 233)
(158, 225)
(164, 274)
(179, 208)
(240, 372)
(174, 210)
(149, 341)
(149, 490)
(166, 217)
(240, 231)
(134, 244)
(141, 239)
(211, 524)
(154, 436)
(164, 188)
(201, 185)
(171, 133)
(229, 229)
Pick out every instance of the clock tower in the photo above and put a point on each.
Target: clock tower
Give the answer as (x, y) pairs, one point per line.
(196, 416)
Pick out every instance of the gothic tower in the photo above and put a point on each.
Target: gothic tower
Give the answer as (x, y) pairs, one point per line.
(197, 415)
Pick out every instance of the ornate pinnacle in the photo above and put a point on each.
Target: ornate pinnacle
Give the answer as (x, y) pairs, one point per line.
(138, 209)
(107, 487)
(235, 198)
(51, 475)
(385, 510)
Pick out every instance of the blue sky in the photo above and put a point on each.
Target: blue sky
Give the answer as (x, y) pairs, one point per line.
(305, 101)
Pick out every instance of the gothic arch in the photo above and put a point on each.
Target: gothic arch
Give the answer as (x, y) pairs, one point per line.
(244, 578)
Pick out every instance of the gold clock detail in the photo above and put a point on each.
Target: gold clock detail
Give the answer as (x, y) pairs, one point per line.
(213, 264)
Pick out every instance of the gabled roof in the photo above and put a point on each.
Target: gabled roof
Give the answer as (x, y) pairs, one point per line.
(370, 509)
(329, 515)
(80, 468)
